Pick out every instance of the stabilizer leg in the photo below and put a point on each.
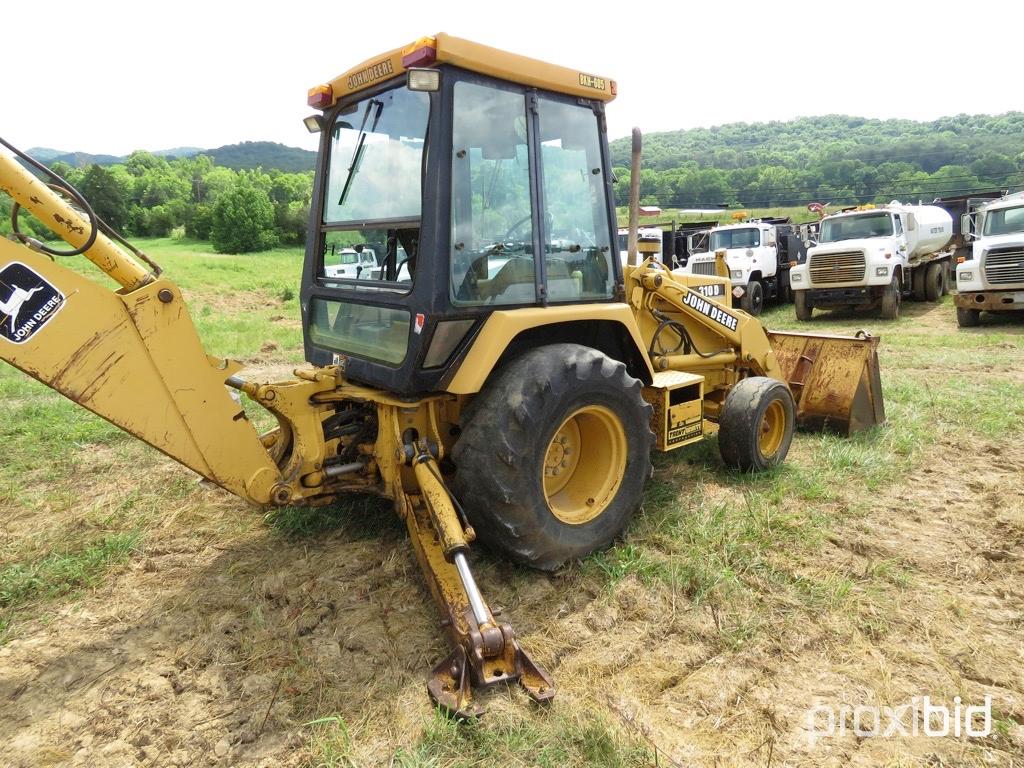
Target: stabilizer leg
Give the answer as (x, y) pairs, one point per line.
(486, 652)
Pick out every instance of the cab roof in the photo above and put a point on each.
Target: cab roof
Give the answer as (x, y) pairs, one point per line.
(446, 49)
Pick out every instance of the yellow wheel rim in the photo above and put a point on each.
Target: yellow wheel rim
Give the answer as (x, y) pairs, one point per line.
(584, 464)
(772, 429)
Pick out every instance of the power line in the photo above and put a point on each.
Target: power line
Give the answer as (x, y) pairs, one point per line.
(919, 192)
(901, 183)
(865, 187)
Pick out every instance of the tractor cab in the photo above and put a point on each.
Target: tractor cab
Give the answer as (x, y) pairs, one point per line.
(480, 179)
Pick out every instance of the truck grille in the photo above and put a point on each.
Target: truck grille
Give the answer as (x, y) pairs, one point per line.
(1004, 265)
(703, 268)
(828, 268)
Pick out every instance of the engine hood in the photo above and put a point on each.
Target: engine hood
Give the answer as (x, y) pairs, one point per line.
(1001, 241)
(868, 245)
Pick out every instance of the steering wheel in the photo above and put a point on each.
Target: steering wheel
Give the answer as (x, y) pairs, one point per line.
(519, 222)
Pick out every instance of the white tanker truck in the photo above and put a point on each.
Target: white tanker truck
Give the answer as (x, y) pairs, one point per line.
(991, 275)
(872, 257)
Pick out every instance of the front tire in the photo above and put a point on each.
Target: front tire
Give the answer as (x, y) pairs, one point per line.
(756, 426)
(753, 298)
(804, 308)
(968, 318)
(554, 455)
(891, 301)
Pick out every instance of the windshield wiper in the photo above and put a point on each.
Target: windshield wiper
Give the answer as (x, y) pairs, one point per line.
(357, 153)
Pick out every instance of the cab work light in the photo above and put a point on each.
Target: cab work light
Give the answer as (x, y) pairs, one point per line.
(314, 123)
(424, 80)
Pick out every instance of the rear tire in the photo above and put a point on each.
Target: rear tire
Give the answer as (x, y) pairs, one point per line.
(891, 301)
(933, 282)
(917, 284)
(753, 298)
(804, 308)
(968, 318)
(784, 293)
(756, 427)
(946, 279)
(554, 454)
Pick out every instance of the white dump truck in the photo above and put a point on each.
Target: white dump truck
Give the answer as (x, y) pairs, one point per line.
(991, 276)
(873, 256)
(759, 255)
(649, 243)
(350, 263)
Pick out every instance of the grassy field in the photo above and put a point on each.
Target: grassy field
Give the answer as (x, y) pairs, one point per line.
(147, 620)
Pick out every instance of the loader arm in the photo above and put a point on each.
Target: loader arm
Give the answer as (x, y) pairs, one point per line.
(834, 380)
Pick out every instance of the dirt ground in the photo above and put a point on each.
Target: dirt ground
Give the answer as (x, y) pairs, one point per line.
(214, 645)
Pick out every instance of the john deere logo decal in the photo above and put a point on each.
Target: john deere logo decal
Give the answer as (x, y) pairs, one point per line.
(27, 302)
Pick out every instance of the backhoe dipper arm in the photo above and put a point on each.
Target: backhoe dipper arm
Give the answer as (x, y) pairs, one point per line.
(131, 356)
(69, 224)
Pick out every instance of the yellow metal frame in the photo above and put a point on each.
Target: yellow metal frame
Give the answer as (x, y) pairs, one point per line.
(503, 326)
(478, 58)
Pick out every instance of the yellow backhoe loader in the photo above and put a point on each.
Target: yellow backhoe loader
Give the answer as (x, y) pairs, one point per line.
(499, 373)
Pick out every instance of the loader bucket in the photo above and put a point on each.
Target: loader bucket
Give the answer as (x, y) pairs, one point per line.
(834, 379)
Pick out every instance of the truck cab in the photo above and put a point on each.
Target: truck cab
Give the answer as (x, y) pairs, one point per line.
(868, 257)
(758, 254)
(649, 243)
(350, 263)
(991, 277)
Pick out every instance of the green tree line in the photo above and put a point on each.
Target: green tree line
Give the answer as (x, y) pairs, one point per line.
(150, 196)
(835, 158)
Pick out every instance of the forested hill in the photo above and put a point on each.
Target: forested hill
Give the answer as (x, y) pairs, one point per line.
(263, 154)
(248, 155)
(834, 157)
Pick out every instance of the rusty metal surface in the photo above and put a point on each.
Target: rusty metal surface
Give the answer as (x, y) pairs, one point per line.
(834, 379)
(990, 301)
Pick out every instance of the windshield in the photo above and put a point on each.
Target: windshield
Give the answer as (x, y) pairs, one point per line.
(376, 158)
(736, 238)
(856, 227)
(1005, 221)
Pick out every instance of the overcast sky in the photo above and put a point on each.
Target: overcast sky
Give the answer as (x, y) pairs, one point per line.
(109, 77)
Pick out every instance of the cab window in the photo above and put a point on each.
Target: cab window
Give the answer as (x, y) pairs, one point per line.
(577, 238)
(492, 260)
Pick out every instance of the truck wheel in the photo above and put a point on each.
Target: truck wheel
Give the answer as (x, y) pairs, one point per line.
(804, 308)
(753, 298)
(554, 454)
(945, 279)
(968, 318)
(891, 301)
(917, 284)
(933, 281)
(756, 427)
(785, 294)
